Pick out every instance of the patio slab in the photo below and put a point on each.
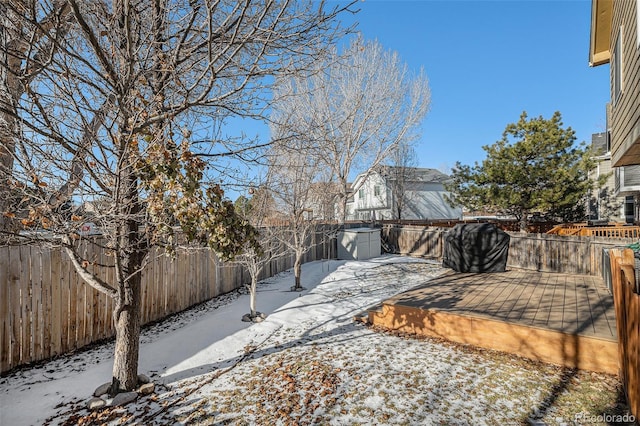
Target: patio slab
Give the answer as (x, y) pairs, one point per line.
(557, 318)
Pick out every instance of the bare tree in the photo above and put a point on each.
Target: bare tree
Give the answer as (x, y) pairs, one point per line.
(109, 105)
(399, 172)
(259, 212)
(19, 39)
(322, 200)
(353, 109)
(292, 176)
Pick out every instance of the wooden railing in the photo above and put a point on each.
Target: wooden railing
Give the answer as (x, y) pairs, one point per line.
(626, 298)
(608, 231)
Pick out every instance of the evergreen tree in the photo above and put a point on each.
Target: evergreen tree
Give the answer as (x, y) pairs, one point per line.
(535, 167)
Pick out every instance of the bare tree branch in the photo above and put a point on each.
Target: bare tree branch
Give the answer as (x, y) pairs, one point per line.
(353, 110)
(97, 97)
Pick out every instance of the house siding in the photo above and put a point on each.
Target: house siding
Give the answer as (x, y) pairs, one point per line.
(605, 203)
(625, 132)
(370, 200)
(423, 200)
(431, 204)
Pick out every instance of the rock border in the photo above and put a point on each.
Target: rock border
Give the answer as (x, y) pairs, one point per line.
(101, 398)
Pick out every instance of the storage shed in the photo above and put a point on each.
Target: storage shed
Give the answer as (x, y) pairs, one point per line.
(358, 243)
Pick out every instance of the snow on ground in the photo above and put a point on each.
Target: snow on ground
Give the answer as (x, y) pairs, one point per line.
(308, 363)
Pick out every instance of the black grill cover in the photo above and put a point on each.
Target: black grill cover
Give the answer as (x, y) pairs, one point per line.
(476, 247)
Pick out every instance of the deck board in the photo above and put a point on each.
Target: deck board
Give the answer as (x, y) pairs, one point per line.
(516, 301)
(566, 311)
(568, 303)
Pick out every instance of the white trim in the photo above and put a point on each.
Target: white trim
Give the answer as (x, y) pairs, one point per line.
(638, 23)
(617, 67)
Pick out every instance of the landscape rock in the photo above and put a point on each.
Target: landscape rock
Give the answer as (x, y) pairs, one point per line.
(147, 389)
(95, 403)
(124, 398)
(258, 318)
(102, 389)
(142, 379)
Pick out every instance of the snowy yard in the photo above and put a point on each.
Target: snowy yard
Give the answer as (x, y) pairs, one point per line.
(309, 363)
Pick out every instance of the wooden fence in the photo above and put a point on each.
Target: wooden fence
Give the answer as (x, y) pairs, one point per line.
(539, 252)
(46, 309)
(415, 240)
(626, 299)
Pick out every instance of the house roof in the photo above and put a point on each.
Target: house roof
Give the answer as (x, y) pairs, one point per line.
(601, 17)
(416, 174)
(413, 174)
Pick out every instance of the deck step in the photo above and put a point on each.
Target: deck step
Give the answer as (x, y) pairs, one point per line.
(363, 317)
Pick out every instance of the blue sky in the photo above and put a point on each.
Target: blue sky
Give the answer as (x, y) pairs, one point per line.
(487, 61)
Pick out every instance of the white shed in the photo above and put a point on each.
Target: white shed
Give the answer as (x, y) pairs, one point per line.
(358, 243)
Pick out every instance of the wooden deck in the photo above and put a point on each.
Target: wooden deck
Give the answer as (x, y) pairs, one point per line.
(558, 318)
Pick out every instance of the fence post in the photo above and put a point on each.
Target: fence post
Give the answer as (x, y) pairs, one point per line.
(627, 307)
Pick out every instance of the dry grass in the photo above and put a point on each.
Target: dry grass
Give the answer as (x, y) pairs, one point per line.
(360, 377)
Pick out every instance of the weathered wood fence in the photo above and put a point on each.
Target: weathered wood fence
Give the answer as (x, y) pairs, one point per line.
(626, 299)
(46, 309)
(539, 252)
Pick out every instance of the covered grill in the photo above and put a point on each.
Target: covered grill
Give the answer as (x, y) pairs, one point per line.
(476, 247)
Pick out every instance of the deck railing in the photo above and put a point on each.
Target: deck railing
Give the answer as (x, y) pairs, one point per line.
(608, 231)
(626, 299)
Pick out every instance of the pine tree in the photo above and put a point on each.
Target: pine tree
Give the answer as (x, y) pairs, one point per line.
(535, 167)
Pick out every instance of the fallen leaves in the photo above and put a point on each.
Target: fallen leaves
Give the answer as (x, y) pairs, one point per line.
(284, 387)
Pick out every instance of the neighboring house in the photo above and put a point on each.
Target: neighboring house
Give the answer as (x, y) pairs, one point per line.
(408, 193)
(321, 200)
(605, 202)
(615, 39)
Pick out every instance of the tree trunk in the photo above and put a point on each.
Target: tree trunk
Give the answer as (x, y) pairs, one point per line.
(252, 297)
(7, 200)
(9, 94)
(133, 250)
(297, 270)
(343, 207)
(127, 319)
(523, 222)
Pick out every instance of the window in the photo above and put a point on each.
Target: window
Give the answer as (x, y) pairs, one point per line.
(629, 208)
(617, 68)
(361, 194)
(376, 190)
